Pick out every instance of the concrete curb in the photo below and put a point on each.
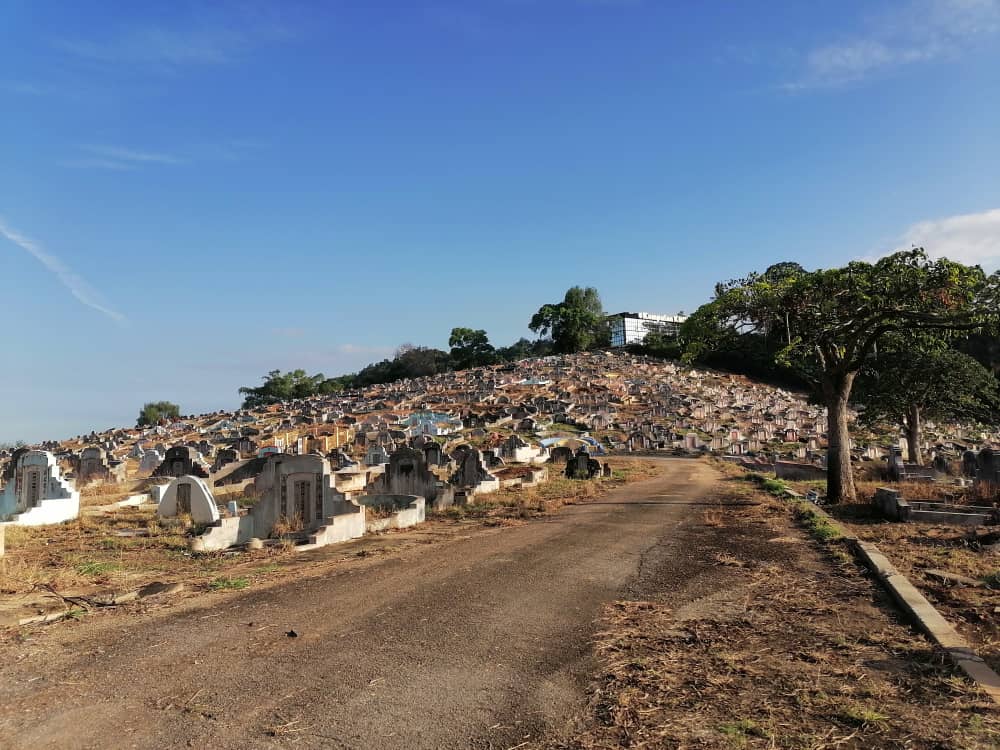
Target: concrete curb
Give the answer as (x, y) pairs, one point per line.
(928, 619)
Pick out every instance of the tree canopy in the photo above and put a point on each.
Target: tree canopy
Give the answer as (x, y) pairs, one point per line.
(470, 348)
(523, 349)
(152, 412)
(575, 324)
(831, 321)
(281, 386)
(922, 378)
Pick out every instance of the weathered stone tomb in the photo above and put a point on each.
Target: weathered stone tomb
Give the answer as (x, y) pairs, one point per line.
(35, 492)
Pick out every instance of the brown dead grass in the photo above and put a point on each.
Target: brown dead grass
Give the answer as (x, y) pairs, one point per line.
(105, 493)
(552, 494)
(915, 548)
(92, 554)
(807, 654)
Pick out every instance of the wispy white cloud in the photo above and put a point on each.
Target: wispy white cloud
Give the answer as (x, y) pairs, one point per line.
(96, 164)
(76, 285)
(159, 46)
(918, 31)
(220, 34)
(119, 159)
(131, 155)
(973, 239)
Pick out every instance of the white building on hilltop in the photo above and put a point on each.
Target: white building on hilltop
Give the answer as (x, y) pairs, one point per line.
(629, 328)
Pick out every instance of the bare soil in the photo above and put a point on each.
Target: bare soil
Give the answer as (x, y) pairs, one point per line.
(717, 623)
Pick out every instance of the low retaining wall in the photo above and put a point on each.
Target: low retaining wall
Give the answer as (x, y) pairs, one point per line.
(226, 533)
(798, 472)
(339, 528)
(409, 511)
(893, 507)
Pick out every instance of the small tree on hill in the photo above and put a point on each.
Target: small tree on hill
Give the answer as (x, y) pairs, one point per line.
(154, 411)
(576, 324)
(285, 386)
(470, 348)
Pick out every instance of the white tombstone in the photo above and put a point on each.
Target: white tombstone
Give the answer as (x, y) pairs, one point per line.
(37, 494)
(188, 494)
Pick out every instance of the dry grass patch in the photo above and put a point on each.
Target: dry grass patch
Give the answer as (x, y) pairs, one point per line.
(915, 548)
(116, 551)
(522, 503)
(806, 653)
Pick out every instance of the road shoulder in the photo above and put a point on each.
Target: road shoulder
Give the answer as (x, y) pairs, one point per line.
(791, 646)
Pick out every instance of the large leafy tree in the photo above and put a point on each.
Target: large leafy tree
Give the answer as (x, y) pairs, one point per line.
(410, 362)
(470, 348)
(832, 320)
(152, 412)
(922, 378)
(523, 349)
(284, 386)
(576, 324)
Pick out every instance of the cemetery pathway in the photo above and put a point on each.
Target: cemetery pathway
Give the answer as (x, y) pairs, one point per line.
(480, 641)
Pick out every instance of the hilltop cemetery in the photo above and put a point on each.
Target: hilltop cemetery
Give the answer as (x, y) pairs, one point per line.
(314, 472)
(451, 436)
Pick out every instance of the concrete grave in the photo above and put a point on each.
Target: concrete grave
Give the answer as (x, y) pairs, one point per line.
(149, 461)
(182, 460)
(406, 473)
(433, 454)
(582, 466)
(95, 465)
(893, 507)
(224, 457)
(970, 464)
(35, 493)
(988, 467)
(296, 493)
(560, 455)
(188, 495)
(393, 511)
(472, 474)
(376, 455)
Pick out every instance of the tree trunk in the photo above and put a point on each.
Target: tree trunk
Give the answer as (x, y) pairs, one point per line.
(912, 426)
(839, 476)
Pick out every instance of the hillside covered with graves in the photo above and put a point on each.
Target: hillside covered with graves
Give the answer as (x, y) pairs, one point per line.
(443, 438)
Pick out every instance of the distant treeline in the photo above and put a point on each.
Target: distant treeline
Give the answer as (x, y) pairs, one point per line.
(577, 323)
(408, 362)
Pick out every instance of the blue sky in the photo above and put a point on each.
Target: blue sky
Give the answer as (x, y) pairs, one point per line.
(192, 194)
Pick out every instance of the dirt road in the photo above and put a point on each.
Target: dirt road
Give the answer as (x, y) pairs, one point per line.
(481, 642)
